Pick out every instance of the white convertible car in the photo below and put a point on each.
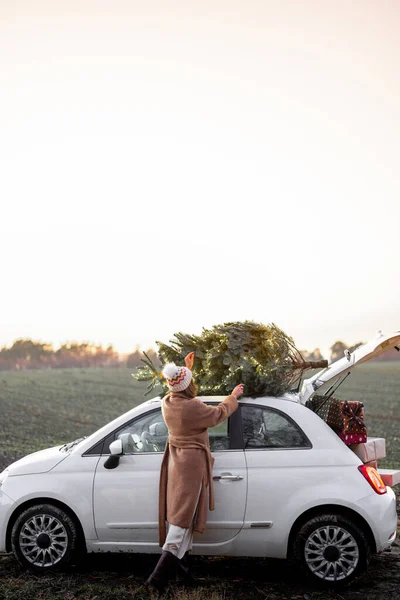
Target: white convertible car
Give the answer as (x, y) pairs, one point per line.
(285, 486)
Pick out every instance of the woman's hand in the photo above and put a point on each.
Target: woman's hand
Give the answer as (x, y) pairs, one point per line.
(189, 360)
(238, 391)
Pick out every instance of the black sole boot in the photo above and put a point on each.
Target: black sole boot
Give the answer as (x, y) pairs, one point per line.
(165, 570)
(184, 574)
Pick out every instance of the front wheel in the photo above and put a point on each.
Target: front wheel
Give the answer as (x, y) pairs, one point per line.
(44, 538)
(332, 549)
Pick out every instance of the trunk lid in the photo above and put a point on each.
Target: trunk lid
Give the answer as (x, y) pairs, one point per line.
(325, 378)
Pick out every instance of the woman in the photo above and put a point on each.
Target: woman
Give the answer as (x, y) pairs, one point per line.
(186, 469)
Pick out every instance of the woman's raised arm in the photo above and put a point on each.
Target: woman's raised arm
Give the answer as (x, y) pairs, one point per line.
(210, 416)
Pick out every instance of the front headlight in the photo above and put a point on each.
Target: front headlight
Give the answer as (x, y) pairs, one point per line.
(3, 476)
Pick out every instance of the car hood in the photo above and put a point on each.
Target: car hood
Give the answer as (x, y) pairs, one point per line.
(323, 379)
(38, 462)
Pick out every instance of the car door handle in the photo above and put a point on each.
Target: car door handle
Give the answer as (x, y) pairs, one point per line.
(227, 477)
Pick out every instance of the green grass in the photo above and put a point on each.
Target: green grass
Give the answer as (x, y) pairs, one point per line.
(49, 407)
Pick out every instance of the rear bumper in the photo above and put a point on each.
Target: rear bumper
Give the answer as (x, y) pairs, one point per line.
(380, 513)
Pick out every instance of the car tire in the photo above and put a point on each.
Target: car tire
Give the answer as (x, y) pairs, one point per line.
(331, 550)
(44, 538)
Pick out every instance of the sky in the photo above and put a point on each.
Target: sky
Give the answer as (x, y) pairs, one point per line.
(167, 166)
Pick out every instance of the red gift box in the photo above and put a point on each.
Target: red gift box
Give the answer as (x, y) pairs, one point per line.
(352, 414)
(352, 430)
(345, 417)
(353, 438)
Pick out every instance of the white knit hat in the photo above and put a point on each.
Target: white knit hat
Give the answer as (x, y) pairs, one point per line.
(178, 378)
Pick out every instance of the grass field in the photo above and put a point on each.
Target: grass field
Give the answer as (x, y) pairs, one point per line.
(45, 408)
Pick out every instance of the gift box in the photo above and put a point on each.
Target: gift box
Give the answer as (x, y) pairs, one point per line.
(372, 449)
(352, 438)
(352, 415)
(345, 417)
(328, 409)
(390, 476)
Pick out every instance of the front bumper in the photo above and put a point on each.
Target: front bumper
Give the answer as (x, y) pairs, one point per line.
(6, 508)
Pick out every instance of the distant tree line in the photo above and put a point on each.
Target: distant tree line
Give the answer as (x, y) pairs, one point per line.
(314, 355)
(135, 358)
(28, 354)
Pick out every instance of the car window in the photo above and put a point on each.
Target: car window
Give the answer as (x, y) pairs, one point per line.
(218, 435)
(146, 434)
(265, 427)
(149, 433)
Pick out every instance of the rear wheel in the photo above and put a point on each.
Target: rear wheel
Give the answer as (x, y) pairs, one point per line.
(44, 538)
(332, 549)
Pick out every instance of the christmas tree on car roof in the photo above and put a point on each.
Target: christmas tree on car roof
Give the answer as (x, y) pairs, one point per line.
(263, 357)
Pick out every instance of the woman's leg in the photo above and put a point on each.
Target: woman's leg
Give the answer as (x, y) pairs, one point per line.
(174, 549)
(179, 540)
(164, 571)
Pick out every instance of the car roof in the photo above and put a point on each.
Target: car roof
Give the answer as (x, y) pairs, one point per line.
(265, 400)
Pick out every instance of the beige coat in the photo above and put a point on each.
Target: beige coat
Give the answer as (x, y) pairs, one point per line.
(186, 468)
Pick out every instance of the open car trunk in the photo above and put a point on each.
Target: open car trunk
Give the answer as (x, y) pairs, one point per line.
(323, 385)
(326, 378)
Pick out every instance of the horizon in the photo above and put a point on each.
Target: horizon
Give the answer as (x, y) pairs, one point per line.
(140, 348)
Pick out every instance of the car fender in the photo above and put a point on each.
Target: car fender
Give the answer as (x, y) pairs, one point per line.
(70, 488)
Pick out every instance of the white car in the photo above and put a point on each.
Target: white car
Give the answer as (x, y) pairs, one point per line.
(285, 486)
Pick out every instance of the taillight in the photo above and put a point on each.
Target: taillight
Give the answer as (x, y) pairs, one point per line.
(373, 478)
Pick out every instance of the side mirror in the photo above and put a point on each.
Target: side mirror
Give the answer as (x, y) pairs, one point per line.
(116, 447)
(116, 453)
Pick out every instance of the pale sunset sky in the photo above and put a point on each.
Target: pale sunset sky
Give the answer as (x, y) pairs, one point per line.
(172, 165)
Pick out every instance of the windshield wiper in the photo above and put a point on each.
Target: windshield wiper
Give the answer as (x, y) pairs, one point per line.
(67, 447)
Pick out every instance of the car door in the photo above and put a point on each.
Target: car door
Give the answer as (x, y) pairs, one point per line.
(230, 483)
(274, 448)
(125, 498)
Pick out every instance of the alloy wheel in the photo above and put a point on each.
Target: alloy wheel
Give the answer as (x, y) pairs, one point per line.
(331, 553)
(43, 540)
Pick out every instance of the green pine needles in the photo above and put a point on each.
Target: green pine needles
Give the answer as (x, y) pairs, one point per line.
(261, 356)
